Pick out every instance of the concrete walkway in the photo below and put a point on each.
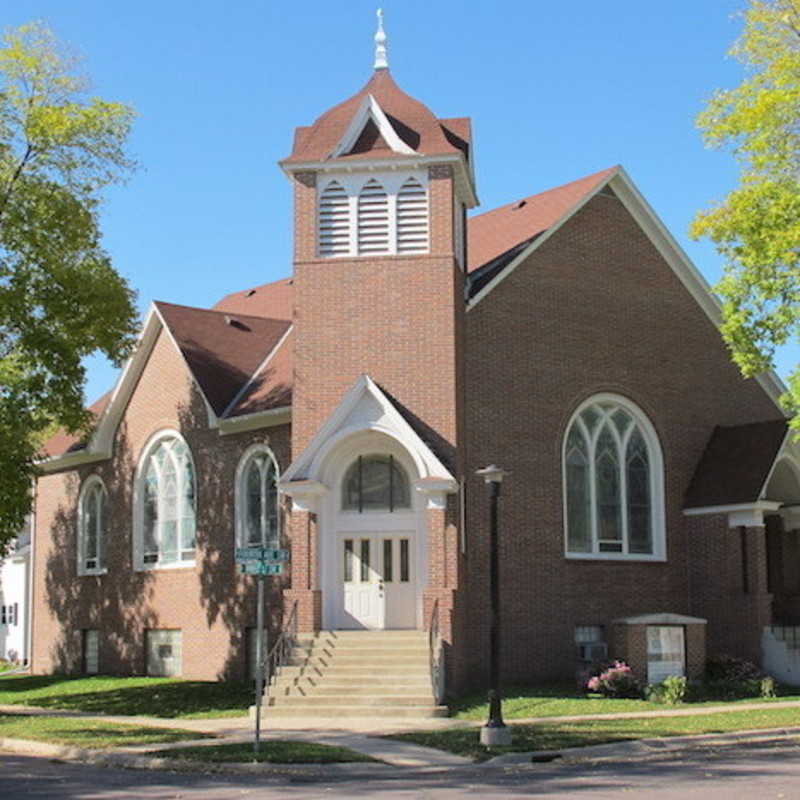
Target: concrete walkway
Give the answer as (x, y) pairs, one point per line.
(362, 734)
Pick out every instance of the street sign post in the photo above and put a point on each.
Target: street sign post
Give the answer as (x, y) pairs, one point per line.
(260, 561)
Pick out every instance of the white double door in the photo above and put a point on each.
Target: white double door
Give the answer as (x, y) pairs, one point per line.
(377, 572)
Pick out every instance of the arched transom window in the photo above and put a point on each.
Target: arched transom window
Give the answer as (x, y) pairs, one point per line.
(92, 527)
(167, 497)
(257, 499)
(613, 482)
(375, 483)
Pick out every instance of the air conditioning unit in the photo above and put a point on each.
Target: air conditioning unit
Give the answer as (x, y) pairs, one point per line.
(593, 652)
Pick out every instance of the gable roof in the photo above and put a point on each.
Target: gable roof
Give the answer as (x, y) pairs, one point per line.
(495, 232)
(63, 442)
(275, 300)
(736, 464)
(222, 350)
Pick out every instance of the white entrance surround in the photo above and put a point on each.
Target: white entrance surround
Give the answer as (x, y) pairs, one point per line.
(376, 595)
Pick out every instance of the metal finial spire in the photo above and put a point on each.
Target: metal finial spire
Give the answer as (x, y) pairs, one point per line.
(381, 60)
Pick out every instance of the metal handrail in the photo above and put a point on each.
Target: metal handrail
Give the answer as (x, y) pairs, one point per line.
(436, 655)
(282, 649)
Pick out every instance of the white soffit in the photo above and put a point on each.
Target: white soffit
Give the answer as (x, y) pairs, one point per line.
(663, 241)
(370, 110)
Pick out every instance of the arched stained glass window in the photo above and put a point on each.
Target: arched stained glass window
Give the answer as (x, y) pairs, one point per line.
(375, 483)
(258, 519)
(612, 477)
(167, 503)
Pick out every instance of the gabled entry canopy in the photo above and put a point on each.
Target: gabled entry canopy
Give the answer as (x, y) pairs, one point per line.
(364, 408)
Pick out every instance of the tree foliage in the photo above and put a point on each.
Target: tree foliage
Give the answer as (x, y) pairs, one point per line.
(757, 227)
(60, 298)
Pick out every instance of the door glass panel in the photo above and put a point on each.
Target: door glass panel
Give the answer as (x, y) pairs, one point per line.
(387, 560)
(364, 560)
(348, 560)
(404, 561)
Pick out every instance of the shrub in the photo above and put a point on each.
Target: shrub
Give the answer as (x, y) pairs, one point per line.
(731, 678)
(731, 669)
(616, 680)
(767, 687)
(671, 690)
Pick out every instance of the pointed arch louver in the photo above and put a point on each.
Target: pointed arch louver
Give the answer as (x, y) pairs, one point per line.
(334, 221)
(373, 219)
(412, 218)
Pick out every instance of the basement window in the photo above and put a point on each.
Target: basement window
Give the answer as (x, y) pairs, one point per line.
(91, 652)
(164, 652)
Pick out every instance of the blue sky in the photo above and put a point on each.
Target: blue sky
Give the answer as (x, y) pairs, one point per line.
(555, 91)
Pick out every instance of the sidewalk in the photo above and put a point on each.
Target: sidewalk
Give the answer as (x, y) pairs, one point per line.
(362, 735)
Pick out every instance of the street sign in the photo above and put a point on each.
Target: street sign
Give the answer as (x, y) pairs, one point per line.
(262, 568)
(246, 554)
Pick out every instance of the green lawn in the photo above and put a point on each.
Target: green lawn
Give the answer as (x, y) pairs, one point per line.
(88, 733)
(567, 700)
(273, 752)
(157, 697)
(558, 735)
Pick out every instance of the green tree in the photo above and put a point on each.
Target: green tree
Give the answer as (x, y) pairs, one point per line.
(757, 227)
(60, 298)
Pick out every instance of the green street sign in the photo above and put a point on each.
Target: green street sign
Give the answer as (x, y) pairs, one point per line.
(262, 568)
(245, 554)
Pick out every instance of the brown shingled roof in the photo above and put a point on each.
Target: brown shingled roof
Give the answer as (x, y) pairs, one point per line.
(271, 387)
(735, 464)
(495, 232)
(222, 350)
(413, 122)
(274, 300)
(61, 442)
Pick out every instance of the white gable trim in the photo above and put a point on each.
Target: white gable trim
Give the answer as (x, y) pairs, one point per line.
(667, 246)
(370, 110)
(340, 425)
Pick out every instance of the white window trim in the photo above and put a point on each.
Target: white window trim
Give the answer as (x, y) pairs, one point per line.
(88, 485)
(656, 475)
(240, 492)
(391, 182)
(138, 504)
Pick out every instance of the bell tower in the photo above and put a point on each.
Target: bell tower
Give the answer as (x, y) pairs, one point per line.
(381, 187)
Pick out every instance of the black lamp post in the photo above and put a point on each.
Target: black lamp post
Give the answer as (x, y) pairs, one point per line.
(494, 732)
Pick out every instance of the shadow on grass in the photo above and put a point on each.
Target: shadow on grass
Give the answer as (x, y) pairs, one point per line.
(157, 697)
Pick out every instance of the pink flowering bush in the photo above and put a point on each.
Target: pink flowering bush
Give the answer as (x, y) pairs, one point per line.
(616, 680)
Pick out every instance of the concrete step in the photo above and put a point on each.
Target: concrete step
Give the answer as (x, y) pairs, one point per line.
(285, 689)
(348, 684)
(318, 701)
(352, 674)
(358, 658)
(412, 648)
(349, 711)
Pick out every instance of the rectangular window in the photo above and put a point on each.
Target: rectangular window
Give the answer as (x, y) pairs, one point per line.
(2, 615)
(364, 560)
(387, 560)
(666, 652)
(348, 560)
(252, 647)
(591, 643)
(404, 568)
(16, 613)
(91, 652)
(164, 652)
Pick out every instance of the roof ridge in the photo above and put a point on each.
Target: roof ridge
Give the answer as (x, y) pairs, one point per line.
(161, 303)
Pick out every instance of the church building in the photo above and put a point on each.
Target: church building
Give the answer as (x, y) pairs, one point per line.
(650, 509)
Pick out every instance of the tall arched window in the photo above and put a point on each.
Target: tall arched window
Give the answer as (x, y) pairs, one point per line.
(92, 527)
(375, 483)
(373, 219)
(257, 512)
(613, 482)
(165, 525)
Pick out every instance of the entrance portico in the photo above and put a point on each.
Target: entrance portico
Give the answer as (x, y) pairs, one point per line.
(359, 527)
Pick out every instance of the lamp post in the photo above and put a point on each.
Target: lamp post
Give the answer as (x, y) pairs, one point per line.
(494, 732)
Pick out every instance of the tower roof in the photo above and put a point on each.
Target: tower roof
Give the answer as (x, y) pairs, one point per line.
(414, 124)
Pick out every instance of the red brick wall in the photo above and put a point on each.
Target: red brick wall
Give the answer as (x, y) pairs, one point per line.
(594, 309)
(207, 601)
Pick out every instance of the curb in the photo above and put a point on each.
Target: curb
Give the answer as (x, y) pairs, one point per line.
(654, 747)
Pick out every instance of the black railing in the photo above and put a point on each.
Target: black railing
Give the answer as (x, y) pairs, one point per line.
(281, 651)
(436, 655)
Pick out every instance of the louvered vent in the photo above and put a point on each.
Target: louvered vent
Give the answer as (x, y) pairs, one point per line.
(412, 218)
(373, 219)
(334, 221)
